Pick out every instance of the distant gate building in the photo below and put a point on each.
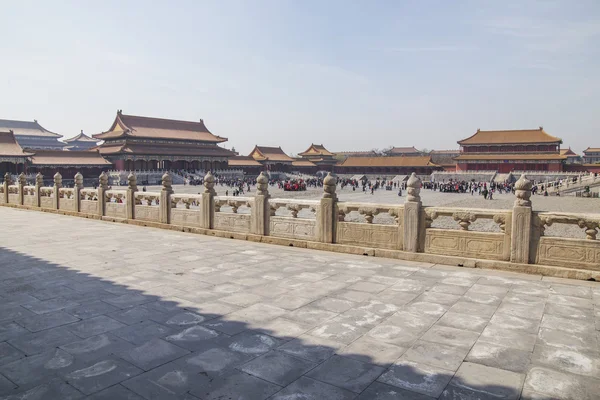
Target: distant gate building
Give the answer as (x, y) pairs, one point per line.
(80, 142)
(31, 135)
(510, 150)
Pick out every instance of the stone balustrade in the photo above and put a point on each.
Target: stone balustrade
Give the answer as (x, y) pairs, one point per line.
(567, 185)
(516, 242)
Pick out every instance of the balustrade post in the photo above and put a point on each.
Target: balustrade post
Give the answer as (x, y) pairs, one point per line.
(412, 215)
(7, 181)
(207, 216)
(57, 186)
(327, 214)
(260, 211)
(131, 189)
(76, 191)
(22, 183)
(521, 222)
(102, 188)
(165, 198)
(39, 182)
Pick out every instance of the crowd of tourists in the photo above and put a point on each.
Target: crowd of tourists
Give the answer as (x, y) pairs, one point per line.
(238, 186)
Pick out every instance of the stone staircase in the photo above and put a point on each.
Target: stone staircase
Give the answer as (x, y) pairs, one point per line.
(570, 187)
(502, 178)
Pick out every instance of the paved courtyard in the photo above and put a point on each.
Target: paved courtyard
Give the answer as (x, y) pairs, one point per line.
(101, 310)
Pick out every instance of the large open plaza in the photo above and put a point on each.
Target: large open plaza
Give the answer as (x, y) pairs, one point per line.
(429, 198)
(99, 310)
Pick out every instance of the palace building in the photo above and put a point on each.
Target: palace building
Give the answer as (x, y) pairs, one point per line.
(404, 151)
(572, 157)
(144, 143)
(345, 154)
(68, 163)
(12, 157)
(399, 165)
(31, 135)
(80, 142)
(272, 158)
(246, 163)
(15, 160)
(318, 156)
(591, 155)
(510, 150)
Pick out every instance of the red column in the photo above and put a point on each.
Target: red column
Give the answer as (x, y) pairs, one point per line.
(120, 165)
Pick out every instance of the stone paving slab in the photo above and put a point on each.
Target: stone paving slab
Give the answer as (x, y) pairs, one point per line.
(155, 314)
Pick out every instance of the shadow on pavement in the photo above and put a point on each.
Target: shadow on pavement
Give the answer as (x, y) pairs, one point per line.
(65, 334)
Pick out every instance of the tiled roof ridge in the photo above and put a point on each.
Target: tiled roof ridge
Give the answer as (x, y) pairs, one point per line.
(27, 125)
(180, 121)
(80, 136)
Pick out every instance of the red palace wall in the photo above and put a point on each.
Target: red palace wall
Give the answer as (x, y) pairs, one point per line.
(119, 165)
(504, 168)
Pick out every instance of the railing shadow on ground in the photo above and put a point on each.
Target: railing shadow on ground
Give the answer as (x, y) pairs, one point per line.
(66, 334)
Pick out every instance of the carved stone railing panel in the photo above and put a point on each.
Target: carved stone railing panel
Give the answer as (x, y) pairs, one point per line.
(294, 208)
(89, 206)
(186, 217)
(569, 253)
(116, 210)
(463, 243)
(88, 194)
(116, 203)
(150, 199)
(186, 201)
(67, 199)
(13, 194)
(66, 193)
(29, 196)
(231, 222)
(589, 223)
(89, 201)
(472, 219)
(147, 213)
(293, 228)
(115, 196)
(369, 213)
(46, 197)
(369, 235)
(233, 204)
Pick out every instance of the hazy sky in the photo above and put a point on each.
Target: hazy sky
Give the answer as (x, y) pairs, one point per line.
(353, 75)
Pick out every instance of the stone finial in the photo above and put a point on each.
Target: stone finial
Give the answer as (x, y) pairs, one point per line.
(329, 186)
(413, 187)
(8, 178)
(22, 179)
(39, 179)
(79, 180)
(132, 182)
(209, 183)
(58, 180)
(167, 183)
(103, 180)
(523, 191)
(262, 184)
